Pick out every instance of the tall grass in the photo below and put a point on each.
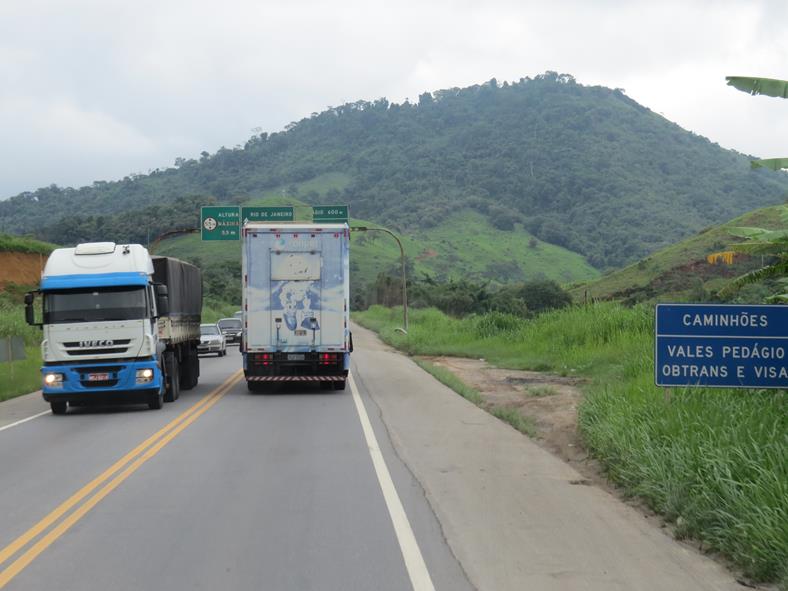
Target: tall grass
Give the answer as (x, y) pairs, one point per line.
(19, 377)
(11, 243)
(714, 462)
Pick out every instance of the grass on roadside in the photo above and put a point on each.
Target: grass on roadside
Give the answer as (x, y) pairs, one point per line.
(712, 461)
(447, 378)
(541, 391)
(19, 377)
(507, 415)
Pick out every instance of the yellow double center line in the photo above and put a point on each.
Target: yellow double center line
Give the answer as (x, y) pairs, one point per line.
(112, 476)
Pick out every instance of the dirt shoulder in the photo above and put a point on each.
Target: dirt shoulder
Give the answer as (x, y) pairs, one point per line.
(550, 401)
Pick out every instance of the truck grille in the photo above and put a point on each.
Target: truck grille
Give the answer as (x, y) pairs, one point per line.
(76, 349)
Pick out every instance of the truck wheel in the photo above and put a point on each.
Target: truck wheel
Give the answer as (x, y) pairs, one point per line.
(257, 387)
(156, 401)
(190, 370)
(58, 407)
(173, 389)
(339, 384)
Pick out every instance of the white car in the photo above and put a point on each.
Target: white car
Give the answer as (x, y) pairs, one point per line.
(212, 340)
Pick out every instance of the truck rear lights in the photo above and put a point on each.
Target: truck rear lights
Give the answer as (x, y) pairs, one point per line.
(263, 358)
(328, 358)
(144, 376)
(54, 380)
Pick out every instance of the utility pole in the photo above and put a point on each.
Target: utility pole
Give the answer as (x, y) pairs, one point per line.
(404, 329)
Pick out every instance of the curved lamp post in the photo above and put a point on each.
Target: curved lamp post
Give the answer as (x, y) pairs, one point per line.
(404, 329)
(153, 245)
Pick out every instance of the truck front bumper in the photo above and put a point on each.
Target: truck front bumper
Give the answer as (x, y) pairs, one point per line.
(119, 381)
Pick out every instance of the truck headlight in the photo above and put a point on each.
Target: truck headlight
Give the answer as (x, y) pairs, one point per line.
(53, 380)
(144, 376)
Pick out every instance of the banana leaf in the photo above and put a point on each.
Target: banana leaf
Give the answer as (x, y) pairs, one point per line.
(770, 163)
(766, 86)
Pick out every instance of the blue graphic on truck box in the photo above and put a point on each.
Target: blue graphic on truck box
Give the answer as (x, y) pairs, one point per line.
(298, 301)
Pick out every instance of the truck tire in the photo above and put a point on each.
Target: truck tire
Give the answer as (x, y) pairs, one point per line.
(156, 400)
(257, 387)
(172, 378)
(339, 384)
(190, 370)
(58, 407)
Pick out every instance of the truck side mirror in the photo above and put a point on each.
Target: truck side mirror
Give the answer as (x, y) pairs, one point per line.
(162, 300)
(30, 313)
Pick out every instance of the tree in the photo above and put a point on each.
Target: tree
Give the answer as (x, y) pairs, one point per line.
(770, 243)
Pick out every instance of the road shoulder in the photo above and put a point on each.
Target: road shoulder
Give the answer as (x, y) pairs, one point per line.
(515, 516)
(21, 407)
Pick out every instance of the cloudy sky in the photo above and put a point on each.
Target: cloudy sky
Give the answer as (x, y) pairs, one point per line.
(97, 89)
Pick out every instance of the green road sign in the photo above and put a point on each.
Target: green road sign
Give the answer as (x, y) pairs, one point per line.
(266, 214)
(220, 222)
(330, 213)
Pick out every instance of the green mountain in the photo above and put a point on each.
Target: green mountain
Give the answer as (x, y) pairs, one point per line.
(581, 167)
(681, 271)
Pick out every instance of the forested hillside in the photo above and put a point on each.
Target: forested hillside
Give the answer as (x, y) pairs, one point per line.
(586, 168)
(682, 272)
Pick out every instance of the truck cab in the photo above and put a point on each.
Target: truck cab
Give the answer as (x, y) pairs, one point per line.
(101, 335)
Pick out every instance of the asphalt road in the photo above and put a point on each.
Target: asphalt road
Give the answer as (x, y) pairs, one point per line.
(258, 492)
(395, 484)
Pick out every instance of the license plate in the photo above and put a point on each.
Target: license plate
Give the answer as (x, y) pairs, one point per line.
(98, 377)
(295, 357)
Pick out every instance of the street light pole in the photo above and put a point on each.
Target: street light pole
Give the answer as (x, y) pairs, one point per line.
(402, 263)
(153, 245)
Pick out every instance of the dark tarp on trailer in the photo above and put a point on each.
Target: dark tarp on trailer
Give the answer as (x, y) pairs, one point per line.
(184, 285)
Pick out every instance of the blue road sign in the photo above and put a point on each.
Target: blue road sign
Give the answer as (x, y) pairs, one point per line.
(721, 346)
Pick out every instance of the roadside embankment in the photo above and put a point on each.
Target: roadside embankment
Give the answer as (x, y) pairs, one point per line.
(21, 263)
(20, 268)
(712, 462)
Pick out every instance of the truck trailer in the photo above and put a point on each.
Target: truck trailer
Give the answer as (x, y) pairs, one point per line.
(119, 326)
(296, 304)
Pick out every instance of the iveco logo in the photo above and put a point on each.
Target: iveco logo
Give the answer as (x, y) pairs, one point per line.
(96, 343)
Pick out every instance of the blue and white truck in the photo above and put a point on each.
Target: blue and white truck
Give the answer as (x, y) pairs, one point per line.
(119, 326)
(296, 304)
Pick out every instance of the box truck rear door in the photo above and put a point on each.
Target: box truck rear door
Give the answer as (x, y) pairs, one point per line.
(295, 299)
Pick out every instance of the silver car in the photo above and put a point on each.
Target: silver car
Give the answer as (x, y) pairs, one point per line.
(212, 340)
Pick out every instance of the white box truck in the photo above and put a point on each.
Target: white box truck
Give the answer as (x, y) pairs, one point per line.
(296, 304)
(119, 325)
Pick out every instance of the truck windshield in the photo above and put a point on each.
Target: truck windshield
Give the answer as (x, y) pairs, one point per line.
(94, 305)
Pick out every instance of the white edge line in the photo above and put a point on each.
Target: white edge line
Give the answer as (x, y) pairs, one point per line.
(414, 562)
(19, 422)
